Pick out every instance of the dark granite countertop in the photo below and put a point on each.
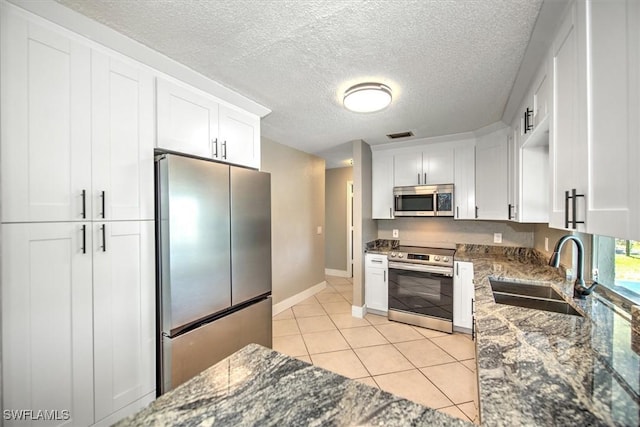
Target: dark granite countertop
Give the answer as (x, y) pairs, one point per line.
(261, 387)
(541, 368)
(381, 246)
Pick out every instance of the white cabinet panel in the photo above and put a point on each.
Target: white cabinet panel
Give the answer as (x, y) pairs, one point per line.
(407, 169)
(492, 176)
(46, 143)
(382, 185)
(187, 121)
(122, 139)
(124, 314)
(463, 295)
(465, 182)
(438, 166)
(240, 136)
(47, 319)
(376, 281)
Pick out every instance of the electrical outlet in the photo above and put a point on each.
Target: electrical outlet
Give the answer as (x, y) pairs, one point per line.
(594, 274)
(546, 244)
(497, 237)
(319, 229)
(395, 233)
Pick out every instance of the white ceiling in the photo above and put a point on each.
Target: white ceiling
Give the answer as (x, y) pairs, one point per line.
(450, 63)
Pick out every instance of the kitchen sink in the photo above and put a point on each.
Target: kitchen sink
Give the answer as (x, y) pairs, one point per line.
(539, 297)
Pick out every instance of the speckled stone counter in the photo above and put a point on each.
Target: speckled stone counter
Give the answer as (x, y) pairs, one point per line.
(260, 387)
(381, 246)
(541, 368)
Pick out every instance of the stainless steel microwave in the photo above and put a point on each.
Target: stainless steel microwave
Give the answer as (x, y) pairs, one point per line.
(423, 200)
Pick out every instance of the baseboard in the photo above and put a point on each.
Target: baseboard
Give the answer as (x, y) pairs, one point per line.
(337, 273)
(293, 300)
(378, 312)
(358, 312)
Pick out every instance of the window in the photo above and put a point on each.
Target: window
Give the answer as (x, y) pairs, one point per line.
(618, 264)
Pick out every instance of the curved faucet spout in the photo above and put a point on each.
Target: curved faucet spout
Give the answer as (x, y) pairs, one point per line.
(579, 288)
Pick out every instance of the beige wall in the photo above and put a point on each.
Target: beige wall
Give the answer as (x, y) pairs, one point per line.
(365, 228)
(447, 232)
(335, 241)
(297, 209)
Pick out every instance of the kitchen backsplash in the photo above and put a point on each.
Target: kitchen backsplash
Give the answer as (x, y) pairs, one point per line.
(447, 231)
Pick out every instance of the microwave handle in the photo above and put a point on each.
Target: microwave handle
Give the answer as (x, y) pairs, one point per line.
(435, 203)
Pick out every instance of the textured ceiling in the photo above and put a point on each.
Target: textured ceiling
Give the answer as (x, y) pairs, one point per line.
(450, 63)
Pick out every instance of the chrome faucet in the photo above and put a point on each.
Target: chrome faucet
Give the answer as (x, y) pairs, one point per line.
(579, 288)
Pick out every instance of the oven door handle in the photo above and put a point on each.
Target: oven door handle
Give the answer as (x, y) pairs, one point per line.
(444, 271)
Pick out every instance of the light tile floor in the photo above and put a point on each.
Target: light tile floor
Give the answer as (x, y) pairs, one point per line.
(429, 367)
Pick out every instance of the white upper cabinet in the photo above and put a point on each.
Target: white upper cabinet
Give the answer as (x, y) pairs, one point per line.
(122, 140)
(77, 130)
(192, 122)
(513, 163)
(567, 143)
(594, 131)
(382, 185)
(465, 182)
(46, 134)
(187, 121)
(492, 176)
(240, 137)
(431, 165)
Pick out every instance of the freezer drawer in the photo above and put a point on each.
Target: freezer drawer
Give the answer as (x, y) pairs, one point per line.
(189, 354)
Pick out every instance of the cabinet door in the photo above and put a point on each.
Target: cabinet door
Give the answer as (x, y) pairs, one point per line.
(407, 169)
(541, 98)
(614, 112)
(47, 331)
(513, 164)
(382, 185)
(124, 313)
(376, 294)
(187, 121)
(437, 166)
(492, 176)
(567, 148)
(122, 140)
(46, 152)
(239, 137)
(465, 182)
(463, 295)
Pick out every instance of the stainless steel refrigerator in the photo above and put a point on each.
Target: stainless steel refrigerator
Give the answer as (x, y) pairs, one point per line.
(214, 264)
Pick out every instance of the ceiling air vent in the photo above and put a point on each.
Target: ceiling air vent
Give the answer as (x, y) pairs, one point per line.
(400, 135)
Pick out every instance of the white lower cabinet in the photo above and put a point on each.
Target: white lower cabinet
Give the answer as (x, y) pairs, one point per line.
(376, 282)
(124, 315)
(77, 319)
(463, 296)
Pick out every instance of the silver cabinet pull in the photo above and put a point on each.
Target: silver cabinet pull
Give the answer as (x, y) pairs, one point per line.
(214, 143)
(377, 261)
(224, 149)
(104, 237)
(104, 211)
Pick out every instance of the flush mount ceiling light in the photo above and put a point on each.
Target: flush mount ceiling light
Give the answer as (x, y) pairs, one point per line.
(367, 97)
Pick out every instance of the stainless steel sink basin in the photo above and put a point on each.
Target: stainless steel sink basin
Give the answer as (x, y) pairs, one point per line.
(539, 297)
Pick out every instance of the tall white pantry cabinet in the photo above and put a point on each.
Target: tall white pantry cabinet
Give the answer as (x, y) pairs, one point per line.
(78, 279)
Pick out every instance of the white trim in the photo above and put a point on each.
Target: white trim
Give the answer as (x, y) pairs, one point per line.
(337, 273)
(293, 300)
(359, 312)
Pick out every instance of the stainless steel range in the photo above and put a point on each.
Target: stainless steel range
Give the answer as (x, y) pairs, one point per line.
(421, 287)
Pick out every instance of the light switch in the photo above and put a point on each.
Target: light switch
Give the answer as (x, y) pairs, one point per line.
(395, 233)
(319, 230)
(497, 237)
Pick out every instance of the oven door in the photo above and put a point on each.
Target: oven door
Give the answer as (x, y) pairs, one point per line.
(421, 295)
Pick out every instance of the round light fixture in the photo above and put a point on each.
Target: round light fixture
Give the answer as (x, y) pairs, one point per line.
(367, 97)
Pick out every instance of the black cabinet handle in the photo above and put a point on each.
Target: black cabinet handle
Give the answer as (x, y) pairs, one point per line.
(214, 143)
(384, 276)
(528, 125)
(566, 209)
(224, 150)
(84, 204)
(574, 205)
(104, 237)
(84, 239)
(390, 213)
(476, 212)
(509, 211)
(104, 211)
(425, 178)
(457, 212)
(418, 178)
